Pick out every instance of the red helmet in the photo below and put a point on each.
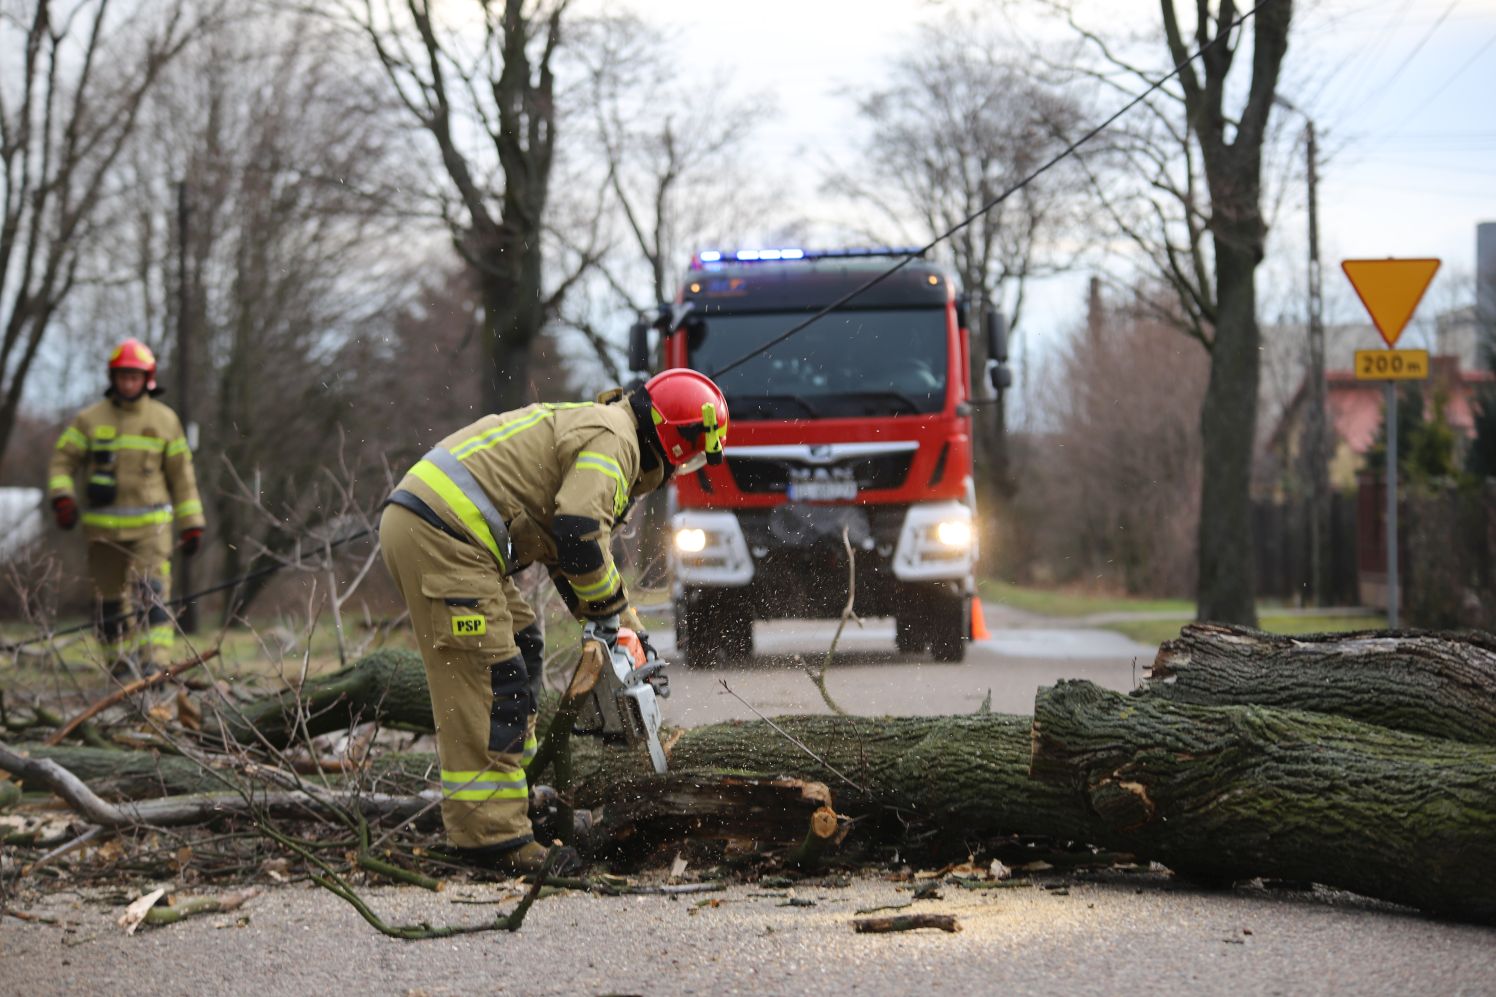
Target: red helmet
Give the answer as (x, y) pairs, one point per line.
(690, 416)
(132, 354)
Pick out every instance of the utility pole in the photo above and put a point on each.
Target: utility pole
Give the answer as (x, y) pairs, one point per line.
(1317, 443)
(187, 618)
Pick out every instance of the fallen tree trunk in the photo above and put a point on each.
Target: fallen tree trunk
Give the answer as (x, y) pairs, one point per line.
(204, 807)
(1237, 792)
(1441, 685)
(388, 685)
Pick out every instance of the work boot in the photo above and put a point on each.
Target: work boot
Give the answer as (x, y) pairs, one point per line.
(527, 858)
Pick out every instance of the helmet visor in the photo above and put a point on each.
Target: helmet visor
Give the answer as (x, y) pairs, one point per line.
(694, 463)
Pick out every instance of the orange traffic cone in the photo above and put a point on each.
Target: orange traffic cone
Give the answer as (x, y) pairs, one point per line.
(979, 629)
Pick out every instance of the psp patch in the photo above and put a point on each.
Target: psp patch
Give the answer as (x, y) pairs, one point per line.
(469, 626)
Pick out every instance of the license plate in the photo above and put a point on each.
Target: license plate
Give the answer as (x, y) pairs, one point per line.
(822, 491)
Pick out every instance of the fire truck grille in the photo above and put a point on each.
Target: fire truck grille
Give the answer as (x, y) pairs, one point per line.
(758, 474)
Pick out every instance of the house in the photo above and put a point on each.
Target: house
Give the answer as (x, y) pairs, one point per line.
(1354, 410)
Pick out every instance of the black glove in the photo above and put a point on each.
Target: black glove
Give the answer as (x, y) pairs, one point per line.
(650, 654)
(192, 539)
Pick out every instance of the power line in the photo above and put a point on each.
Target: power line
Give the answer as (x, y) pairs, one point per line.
(999, 199)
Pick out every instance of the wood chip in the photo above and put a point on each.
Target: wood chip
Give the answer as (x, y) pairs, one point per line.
(906, 922)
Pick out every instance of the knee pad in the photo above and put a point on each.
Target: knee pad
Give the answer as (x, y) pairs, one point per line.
(511, 706)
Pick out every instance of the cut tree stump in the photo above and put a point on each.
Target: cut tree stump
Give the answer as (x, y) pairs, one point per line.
(1234, 792)
(1442, 685)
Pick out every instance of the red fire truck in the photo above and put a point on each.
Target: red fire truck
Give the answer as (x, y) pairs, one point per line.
(859, 425)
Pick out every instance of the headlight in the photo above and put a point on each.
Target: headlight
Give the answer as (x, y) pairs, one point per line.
(690, 541)
(952, 533)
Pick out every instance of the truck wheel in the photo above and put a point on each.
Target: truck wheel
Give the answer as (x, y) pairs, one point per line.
(949, 626)
(735, 622)
(712, 628)
(695, 636)
(909, 633)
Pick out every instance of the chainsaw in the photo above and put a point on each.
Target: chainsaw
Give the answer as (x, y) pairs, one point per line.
(623, 705)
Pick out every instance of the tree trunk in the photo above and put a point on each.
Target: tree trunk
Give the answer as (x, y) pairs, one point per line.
(1226, 588)
(1438, 685)
(1235, 792)
(388, 685)
(510, 329)
(967, 776)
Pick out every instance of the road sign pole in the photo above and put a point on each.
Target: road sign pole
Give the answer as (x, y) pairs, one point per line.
(1390, 289)
(1391, 478)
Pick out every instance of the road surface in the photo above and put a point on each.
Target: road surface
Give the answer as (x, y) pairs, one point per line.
(870, 678)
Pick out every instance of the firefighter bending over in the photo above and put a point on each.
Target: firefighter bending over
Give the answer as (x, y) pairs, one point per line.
(543, 484)
(139, 485)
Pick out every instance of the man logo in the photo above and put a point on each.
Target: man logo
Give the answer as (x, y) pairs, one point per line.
(469, 626)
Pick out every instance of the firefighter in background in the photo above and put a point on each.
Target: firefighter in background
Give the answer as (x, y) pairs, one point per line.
(139, 490)
(543, 484)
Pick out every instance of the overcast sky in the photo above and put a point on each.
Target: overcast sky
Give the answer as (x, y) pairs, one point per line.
(1403, 93)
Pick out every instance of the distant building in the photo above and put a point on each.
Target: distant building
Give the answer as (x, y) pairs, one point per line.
(1355, 417)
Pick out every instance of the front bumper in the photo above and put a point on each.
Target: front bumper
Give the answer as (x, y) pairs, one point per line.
(792, 560)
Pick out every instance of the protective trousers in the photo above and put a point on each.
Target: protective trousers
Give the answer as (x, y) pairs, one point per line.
(464, 615)
(132, 582)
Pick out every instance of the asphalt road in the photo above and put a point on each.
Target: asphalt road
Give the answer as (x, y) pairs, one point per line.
(1138, 934)
(870, 678)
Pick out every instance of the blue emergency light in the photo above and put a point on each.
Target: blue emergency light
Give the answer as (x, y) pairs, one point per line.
(707, 257)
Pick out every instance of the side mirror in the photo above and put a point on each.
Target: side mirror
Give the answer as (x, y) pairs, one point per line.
(639, 347)
(997, 336)
(1001, 377)
(963, 312)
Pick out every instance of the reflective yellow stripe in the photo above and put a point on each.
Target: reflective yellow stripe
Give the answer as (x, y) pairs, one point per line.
(459, 503)
(72, 437)
(153, 444)
(60, 483)
(175, 447)
(593, 461)
(484, 785)
(499, 434)
(599, 590)
(531, 749)
(113, 521)
(164, 635)
(192, 507)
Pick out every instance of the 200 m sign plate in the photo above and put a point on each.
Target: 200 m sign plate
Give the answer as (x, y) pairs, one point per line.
(1392, 365)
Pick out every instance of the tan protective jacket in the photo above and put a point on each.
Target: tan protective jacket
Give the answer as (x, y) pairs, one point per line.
(538, 463)
(137, 447)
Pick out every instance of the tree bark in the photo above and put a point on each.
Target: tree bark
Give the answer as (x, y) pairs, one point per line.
(1230, 793)
(1226, 589)
(1439, 685)
(388, 685)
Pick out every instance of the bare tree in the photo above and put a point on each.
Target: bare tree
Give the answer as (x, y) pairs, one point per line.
(269, 128)
(1184, 184)
(1112, 487)
(77, 76)
(958, 123)
(480, 82)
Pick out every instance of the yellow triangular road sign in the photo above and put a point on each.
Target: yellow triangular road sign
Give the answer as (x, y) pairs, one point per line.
(1390, 289)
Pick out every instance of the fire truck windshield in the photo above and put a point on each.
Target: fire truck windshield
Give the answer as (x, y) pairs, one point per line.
(847, 364)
